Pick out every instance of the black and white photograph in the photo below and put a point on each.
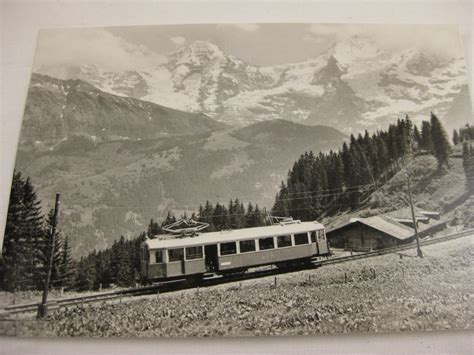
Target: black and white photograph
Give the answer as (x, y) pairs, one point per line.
(242, 179)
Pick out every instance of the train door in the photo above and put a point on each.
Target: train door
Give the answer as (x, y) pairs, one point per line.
(212, 260)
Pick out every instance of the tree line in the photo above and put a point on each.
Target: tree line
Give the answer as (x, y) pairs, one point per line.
(323, 184)
(27, 243)
(317, 184)
(464, 134)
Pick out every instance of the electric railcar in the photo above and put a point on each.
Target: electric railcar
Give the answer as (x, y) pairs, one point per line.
(169, 257)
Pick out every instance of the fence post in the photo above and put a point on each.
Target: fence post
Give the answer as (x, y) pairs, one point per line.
(275, 282)
(345, 278)
(373, 272)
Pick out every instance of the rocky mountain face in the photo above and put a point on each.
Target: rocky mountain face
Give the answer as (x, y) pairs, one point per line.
(118, 161)
(57, 109)
(352, 86)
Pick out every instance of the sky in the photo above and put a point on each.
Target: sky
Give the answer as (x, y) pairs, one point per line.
(145, 47)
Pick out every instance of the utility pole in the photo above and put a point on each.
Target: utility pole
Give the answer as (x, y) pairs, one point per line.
(43, 307)
(418, 249)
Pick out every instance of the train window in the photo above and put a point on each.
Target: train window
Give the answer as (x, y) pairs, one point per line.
(194, 253)
(176, 254)
(247, 246)
(313, 237)
(228, 248)
(301, 238)
(158, 256)
(322, 236)
(284, 241)
(266, 243)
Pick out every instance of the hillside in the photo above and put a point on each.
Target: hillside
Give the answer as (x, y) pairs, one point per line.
(279, 132)
(58, 109)
(379, 294)
(114, 188)
(443, 191)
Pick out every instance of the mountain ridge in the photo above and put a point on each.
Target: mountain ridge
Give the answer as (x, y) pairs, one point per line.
(385, 85)
(56, 109)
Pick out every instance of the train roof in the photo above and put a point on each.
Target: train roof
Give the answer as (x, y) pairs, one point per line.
(169, 241)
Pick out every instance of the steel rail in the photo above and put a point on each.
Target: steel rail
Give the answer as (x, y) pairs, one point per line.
(171, 286)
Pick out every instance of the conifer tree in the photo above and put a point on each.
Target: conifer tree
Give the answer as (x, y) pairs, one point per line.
(249, 216)
(455, 137)
(32, 236)
(417, 137)
(23, 238)
(468, 165)
(169, 220)
(441, 147)
(281, 206)
(426, 139)
(45, 253)
(11, 251)
(238, 217)
(67, 264)
(86, 273)
(154, 228)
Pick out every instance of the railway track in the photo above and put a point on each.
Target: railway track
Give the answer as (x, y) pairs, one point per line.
(211, 281)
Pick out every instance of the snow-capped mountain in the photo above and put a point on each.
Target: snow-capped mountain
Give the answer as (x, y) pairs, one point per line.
(353, 85)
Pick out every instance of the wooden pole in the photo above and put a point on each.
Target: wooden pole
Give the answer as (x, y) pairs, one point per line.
(43, 308)
(418, 249)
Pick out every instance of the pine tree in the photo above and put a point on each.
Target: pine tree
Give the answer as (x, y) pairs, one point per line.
(441, 147)
(417, 138)
(249, 216)
(45, 253)
(468, 165)
(32, 236)
(154, 228)
(121, 263)
(455, 137)
(169, 220)
(281, 207)
(426, 138)
(12, 252)
(23, 238)
(86, 273)
(67, 264)
(239, 218)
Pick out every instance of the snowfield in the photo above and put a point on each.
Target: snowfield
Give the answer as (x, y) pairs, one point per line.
(383, 84)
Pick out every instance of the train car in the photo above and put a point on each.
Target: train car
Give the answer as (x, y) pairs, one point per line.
(169, 257)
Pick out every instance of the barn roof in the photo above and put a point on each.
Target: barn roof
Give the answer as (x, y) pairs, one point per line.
(382, 223)
(169, 241)
(405, 214)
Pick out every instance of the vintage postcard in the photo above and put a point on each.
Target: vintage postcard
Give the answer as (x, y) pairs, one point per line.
(240, 180)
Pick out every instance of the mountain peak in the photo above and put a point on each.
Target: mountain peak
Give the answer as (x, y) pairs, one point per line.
(197, 53)
(355, 47)
(203, 46)
(332, 71)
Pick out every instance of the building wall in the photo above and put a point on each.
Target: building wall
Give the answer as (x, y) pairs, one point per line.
(359, 237)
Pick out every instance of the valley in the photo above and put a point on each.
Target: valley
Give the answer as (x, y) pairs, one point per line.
(112, 185)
